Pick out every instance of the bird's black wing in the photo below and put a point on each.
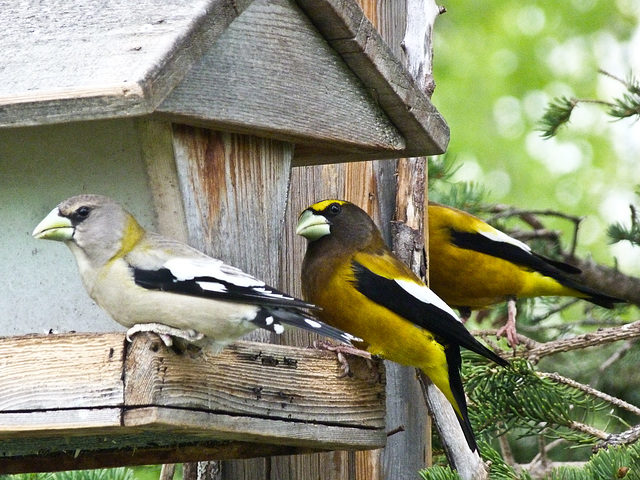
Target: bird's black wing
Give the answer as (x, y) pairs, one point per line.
(421, 307)
(275, 307)
(559, 271)
(216, 287)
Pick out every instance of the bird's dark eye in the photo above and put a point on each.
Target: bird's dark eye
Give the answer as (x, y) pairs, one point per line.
(334, 208)
(83, 212)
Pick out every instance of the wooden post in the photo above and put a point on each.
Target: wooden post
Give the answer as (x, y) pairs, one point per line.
(235, 190)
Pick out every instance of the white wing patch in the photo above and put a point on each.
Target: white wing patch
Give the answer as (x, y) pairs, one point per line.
(498, 236)
(212, 286)
(184, 269)
(190, 268)
(312, 323)
(425, 295)
(272, 294)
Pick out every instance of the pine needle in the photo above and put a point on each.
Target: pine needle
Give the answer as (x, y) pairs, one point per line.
(557, 114)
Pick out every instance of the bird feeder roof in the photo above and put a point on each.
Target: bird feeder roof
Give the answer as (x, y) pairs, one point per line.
(312, 72)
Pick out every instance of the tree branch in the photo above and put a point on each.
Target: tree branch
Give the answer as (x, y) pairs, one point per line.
(591, 391)
(534, 351)
(502, 211)
(606, 279)
(624, 438)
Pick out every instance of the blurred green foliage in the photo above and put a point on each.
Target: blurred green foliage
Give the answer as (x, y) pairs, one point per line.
(497, 65)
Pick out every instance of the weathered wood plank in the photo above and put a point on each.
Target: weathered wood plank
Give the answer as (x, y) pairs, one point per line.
(234, 189)
(264, 381)
(320, 102)
(40, 423)
(174, 405)
(81, 458)
(34, 366)
(97, 60)
(156, 143)
(364, 51)
(213, 426)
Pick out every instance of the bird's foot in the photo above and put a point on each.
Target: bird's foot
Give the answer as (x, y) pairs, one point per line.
(165, 332)
(340, 351)
(509, 328)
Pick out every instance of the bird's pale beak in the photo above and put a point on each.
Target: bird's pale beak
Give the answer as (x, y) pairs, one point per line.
(54, 227)
(312, 226)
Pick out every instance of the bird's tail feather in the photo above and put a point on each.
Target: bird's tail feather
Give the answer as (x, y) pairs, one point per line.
(273, 319)
(454, 392)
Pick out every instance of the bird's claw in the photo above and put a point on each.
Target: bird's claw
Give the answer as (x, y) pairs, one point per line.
(340, 351)
(165, 332)
(509, 328)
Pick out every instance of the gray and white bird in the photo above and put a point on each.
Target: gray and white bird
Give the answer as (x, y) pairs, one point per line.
(148, 282)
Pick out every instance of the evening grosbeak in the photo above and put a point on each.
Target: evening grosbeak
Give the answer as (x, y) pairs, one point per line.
(472, 265)
(363, 288)
(147, 282)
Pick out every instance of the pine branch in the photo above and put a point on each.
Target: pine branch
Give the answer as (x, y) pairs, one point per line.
(501, 211)
(558, 113)
(629, 104)
(591, 391)
(534, 351)
(518, 398)
(559, 110)
(619, 232)
(625, 438)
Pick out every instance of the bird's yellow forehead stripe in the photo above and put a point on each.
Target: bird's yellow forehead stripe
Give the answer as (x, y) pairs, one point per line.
(320, 206)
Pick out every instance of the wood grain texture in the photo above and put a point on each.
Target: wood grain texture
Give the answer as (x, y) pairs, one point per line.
(83, 458)
(235, 191)
(282, 81)
(97, 60)
(156, 144)
(317, 78)
(364, 51)
(269, 381)
(50, 372)
(214, 426)
(174, 406)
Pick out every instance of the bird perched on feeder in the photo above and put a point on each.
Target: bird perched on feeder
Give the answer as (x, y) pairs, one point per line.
(473, 265)
(148, 282)
(363, 288)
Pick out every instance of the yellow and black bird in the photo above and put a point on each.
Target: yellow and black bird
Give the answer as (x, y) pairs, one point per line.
(367, 291)
(473, 265)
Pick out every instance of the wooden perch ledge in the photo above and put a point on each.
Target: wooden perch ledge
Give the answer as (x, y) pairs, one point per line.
(74, 401)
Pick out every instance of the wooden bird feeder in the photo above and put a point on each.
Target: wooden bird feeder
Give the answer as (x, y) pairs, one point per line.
(190, 113)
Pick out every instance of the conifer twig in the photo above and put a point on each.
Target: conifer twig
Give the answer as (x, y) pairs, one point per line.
(624, 438)
(591, 391)
(501, 211)
(534, 351)
(588, 429)
(505, 450)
